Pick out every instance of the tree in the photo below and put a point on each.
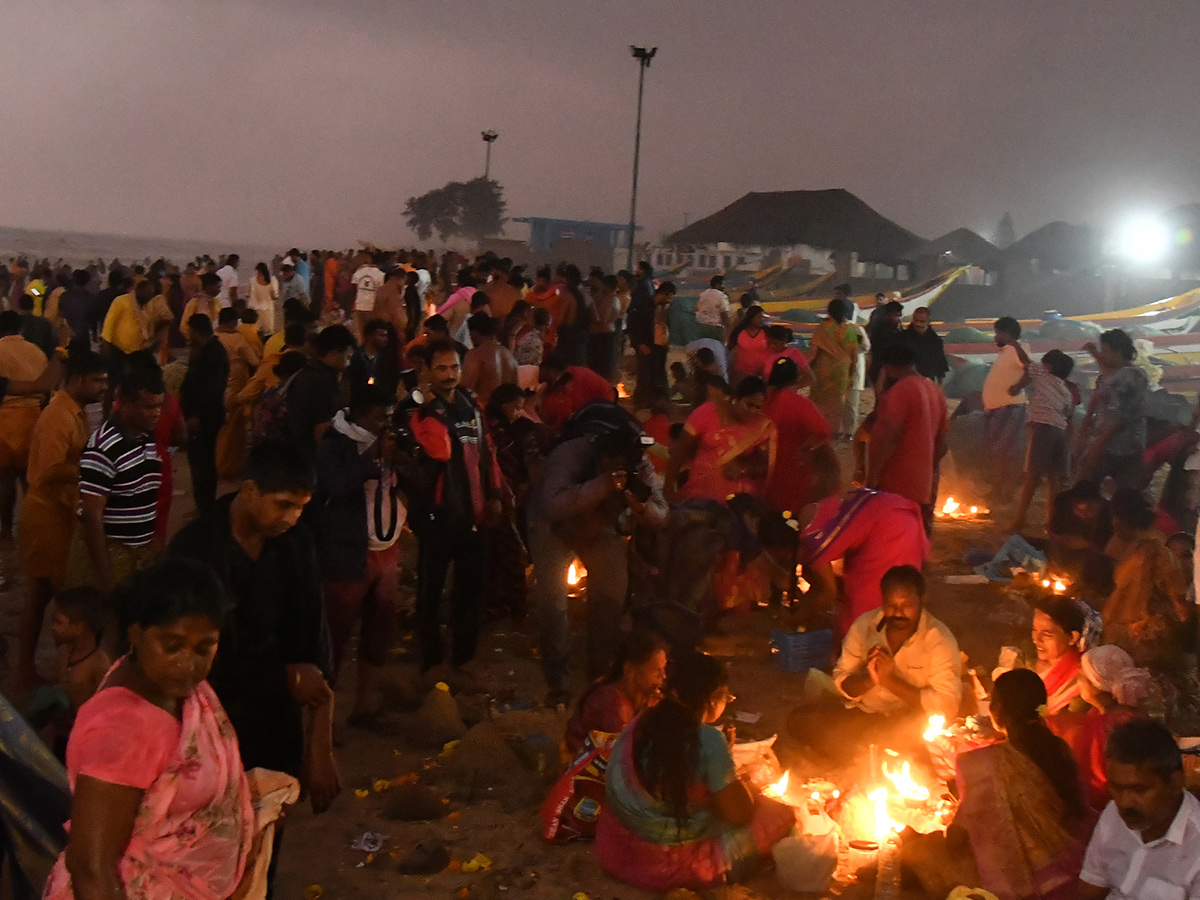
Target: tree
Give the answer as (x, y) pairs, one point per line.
(473, 209)
(1006, 234)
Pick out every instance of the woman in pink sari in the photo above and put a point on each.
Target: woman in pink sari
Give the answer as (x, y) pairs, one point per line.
(870, 532)
(728, 446)
(162, 809)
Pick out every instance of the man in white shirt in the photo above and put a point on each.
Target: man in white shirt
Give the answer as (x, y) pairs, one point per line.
(899, 659)
(367, 279)
(1146, 845)
(713, 310)
(229, 281)
(1004, 409)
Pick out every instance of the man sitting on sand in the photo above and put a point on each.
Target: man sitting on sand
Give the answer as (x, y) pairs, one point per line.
(897, 662)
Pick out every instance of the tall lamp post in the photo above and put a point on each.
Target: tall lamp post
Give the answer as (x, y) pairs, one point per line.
(643, 57)
(489, 138)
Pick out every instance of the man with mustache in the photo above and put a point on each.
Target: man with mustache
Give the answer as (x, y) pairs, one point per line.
(899, 659)
(1147, 842)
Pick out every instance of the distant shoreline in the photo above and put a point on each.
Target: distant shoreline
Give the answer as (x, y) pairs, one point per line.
(77, 248)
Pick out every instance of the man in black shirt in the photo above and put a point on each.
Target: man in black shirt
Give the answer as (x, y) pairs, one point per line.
(884, 332)
(274, 657)
(926, 346)
(315, 394)
(462, 488)
(202, 400)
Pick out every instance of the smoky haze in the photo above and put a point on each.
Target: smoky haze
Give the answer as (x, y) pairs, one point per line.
(311, 122)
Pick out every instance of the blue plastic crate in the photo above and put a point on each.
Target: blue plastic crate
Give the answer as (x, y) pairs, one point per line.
(799, 651)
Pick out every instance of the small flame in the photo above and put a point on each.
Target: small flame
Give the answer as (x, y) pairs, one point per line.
(908, 788)
(950, 506)
(622, 393)
(779, 788)
(974, 510)
(1046, 583)
(884, 825)
(1059, 587)
(936, 729)
(575, 574)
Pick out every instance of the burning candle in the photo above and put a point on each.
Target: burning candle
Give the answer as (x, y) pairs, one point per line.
(778, 789)
(575, 574)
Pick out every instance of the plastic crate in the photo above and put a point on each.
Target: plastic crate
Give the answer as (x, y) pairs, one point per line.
(799, 651)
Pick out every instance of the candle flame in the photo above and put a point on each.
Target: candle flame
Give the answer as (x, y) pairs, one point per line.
(936, 729)
(908, 788)
(950, 506)
(884, 825)
(575, 574)
(1059, 587)
(622, 393)
(779, 788)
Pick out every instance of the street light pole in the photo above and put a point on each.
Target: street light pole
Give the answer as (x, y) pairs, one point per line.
(489, 138)
(643, 56)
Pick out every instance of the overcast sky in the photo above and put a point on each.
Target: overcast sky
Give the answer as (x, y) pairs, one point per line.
(311, 121)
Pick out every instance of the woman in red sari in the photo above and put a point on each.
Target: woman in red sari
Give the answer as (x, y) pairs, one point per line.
(1057, 629)
(1116, 690)
(749, 347)
(162, 809)
(728, 447)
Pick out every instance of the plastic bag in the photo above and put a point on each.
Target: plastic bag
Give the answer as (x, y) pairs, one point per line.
(756, 762)
(806, 862)
(573, 806)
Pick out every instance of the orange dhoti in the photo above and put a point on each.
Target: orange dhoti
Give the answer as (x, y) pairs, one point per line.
(16, 428)
(44, 538)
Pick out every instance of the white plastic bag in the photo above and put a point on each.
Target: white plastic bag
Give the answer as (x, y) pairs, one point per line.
(756, 762)
(806, 863)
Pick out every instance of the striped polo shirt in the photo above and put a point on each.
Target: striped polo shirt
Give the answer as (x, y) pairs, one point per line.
(126, 471)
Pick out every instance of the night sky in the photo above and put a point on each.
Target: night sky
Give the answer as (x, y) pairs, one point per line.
(298, 121)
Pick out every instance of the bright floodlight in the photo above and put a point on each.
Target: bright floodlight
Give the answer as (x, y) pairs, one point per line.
(1144, 240)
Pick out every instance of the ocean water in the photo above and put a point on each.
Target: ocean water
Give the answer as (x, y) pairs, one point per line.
(77, 248)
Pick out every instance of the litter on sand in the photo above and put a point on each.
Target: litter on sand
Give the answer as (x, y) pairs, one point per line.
(369, 842)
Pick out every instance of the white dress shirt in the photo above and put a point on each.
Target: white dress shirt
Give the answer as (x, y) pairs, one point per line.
(1166, 869)
(929, 661)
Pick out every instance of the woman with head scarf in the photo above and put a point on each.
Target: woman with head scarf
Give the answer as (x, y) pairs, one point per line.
(1116, 691)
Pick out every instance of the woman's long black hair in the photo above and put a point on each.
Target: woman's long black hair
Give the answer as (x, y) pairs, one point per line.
(1016, 699)
(666, 739)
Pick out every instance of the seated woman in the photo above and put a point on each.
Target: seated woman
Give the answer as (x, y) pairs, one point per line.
(1021, 817)
(1148, 604)
(728, 447)
(1116, 691)
(676, 815)
(632, 686)
(1057, 630)
(162, 808)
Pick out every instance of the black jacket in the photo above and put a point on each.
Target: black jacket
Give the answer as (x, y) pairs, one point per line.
(337, 514)
(928, 351)
(639, 320)
(202, 394)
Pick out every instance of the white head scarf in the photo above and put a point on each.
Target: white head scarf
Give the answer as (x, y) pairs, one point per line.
(1111, 670)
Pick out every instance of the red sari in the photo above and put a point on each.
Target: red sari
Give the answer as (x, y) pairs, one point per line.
(1062, 682)
(1087, 734)
(731, 457)
(870, 531)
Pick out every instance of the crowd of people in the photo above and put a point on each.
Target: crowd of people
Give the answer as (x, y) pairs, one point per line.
(332, 400)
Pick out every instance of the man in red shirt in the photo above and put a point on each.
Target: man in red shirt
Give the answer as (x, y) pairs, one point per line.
(569, 389)
(908, 439)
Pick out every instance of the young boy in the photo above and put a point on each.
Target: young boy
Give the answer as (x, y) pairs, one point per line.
(1048, 423)
(78, 617)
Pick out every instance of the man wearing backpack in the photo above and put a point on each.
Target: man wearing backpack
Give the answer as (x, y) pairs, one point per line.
(459, 497)
(594, 486)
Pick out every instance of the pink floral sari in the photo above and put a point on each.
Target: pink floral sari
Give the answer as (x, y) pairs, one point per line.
(195, 826)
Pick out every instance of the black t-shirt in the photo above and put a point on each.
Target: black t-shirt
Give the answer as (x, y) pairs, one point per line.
(312, 399)
(278, 618)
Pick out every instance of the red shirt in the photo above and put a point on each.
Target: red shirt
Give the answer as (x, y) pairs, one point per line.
(916, 408)
(801, 428)
(579, 388)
